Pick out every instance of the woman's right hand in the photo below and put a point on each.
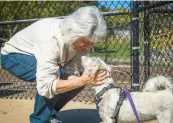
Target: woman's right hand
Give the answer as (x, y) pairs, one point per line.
(94, 80)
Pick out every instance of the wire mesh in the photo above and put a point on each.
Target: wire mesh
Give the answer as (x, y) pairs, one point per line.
(155, 29)
(156, 42)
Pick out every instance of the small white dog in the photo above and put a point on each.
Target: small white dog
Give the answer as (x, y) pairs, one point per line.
(150, 104)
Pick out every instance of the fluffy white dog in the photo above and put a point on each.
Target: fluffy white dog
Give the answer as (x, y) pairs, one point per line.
(151, 104)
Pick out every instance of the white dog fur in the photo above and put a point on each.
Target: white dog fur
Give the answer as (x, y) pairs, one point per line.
(150, 104)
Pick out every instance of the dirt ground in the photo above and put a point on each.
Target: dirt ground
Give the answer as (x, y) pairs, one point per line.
(18, 111)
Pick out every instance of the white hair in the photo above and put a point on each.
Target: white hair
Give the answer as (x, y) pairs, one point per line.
(86, 22)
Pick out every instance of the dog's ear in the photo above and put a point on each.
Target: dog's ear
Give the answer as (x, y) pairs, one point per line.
(103, 64)
(109, 67)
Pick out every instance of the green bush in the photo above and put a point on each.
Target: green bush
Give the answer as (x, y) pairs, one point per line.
(162, 40)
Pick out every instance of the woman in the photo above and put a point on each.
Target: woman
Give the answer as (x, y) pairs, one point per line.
(49, 52)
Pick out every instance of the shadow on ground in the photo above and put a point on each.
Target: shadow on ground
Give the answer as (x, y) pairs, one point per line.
(5, 84)
(7, 93)
(80, 116)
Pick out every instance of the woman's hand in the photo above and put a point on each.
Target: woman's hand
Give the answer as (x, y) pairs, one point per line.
(94, 80)
(86, 79)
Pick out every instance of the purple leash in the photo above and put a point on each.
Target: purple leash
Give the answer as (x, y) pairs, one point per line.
(131, 103)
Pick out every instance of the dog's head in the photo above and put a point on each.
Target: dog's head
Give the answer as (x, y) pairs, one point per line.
(93, 64)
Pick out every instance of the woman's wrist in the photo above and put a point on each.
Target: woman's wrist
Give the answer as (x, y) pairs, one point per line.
(86, 80)
(81, 81)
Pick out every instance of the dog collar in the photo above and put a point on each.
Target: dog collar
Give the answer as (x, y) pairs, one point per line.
(122, 96)
(99, 96)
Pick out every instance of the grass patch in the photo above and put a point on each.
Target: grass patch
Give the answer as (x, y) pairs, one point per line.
(113, 48)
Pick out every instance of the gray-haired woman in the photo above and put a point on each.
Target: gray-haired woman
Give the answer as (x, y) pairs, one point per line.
(49, 52)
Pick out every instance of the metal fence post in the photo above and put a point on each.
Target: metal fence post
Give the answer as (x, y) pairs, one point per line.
(135, 46)
(146, 42)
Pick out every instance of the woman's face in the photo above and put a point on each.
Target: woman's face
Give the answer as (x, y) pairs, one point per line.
(82, 45)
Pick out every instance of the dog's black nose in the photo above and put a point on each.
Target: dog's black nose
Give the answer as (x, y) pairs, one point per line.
(161, 88)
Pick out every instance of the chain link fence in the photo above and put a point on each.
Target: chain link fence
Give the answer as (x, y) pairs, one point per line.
(151, 31)
(155, 37)
(161, 40)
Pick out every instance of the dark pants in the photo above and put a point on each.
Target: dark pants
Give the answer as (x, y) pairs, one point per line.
(24, 67)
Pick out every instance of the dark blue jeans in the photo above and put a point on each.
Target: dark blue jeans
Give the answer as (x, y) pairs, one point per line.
(24, 67)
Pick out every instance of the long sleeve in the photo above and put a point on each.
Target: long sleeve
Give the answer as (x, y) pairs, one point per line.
(47, 54)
